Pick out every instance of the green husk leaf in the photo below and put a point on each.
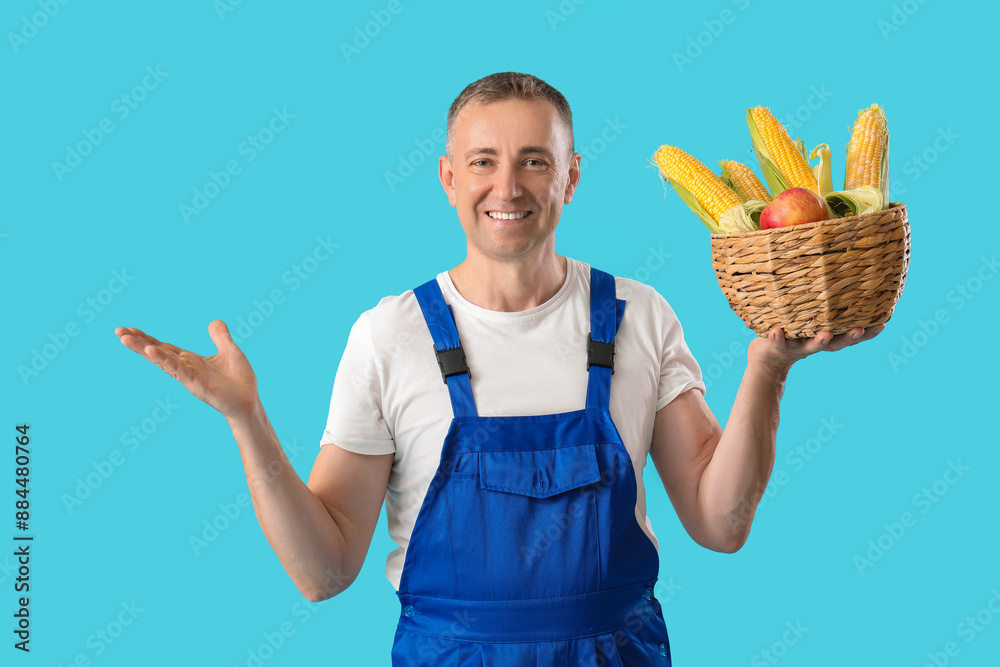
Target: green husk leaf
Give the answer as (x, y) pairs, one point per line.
(776, 183)
(753, 208)
(884, 171)
(693, 204)
(801, 146)
(858, 201)
(737, 219)
(824, 177)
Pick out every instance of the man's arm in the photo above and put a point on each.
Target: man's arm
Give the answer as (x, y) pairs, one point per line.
(715, 478)
(321, 531)
(322, 534)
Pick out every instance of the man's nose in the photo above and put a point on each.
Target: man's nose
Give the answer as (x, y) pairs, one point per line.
(507, 184)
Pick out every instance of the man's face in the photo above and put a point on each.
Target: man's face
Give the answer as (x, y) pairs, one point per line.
(510, 159)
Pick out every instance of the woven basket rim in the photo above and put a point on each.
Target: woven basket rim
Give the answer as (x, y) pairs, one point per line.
(809, 225)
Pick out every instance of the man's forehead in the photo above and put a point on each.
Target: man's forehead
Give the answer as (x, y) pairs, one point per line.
(508, 111)
(535, 122)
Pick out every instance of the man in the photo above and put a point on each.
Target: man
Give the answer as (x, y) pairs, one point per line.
(504, 412)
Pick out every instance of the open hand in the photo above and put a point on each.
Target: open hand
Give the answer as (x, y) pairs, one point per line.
(780, 353)
(224, 380)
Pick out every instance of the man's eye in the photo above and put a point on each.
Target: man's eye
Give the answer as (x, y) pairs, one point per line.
(480, 163)
(532, 162)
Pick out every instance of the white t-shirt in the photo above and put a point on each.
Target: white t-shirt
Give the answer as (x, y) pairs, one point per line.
(388, 395)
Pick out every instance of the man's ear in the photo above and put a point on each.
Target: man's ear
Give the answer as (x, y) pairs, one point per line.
(574, 178)
(447, 177)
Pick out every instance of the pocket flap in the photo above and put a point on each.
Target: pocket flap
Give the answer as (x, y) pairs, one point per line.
(539, 473)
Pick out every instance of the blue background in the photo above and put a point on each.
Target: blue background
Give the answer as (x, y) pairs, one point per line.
(903, 407)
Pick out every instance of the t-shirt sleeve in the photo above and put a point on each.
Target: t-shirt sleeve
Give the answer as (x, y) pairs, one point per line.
(355, 421)
(678, 369)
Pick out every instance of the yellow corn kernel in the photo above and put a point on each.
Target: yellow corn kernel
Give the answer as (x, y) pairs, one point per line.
(869, 139)
(743, 181)
(789, 161)
(708, 189)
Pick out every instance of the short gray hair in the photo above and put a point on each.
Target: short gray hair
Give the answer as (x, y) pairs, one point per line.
(507, 85)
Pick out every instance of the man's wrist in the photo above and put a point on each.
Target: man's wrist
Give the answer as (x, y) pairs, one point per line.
(250, 418)
(769, 371)
(765, 363)
(776, 370)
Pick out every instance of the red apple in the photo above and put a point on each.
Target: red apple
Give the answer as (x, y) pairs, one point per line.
(794, 206)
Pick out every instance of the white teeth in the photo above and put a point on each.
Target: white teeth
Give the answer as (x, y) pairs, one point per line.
(507, 216)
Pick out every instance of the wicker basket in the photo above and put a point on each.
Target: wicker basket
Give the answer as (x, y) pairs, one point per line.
(833, 275)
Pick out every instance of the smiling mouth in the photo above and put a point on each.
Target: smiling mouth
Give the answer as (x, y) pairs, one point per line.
(515, 215)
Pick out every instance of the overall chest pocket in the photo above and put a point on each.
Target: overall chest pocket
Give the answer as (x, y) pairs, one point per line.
(539, 473)
(535, 513)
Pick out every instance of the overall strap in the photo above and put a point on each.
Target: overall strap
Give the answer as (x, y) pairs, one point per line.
(447, 347)
(605, 317)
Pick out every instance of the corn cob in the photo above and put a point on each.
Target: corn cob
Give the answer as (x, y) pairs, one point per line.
(713, 201)
(743, 181)
(781, 160)
(708, 189)
(868, 152)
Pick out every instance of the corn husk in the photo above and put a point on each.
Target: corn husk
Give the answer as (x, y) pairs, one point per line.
(858, 201)
(753, 208)
(801, 146)
(738, 219)
(693, 204)
(824, 177)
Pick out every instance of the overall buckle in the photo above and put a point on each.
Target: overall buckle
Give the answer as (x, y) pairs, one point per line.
(451, 362)
(600, 354)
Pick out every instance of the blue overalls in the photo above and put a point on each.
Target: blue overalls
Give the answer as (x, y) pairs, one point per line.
(526, 550)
